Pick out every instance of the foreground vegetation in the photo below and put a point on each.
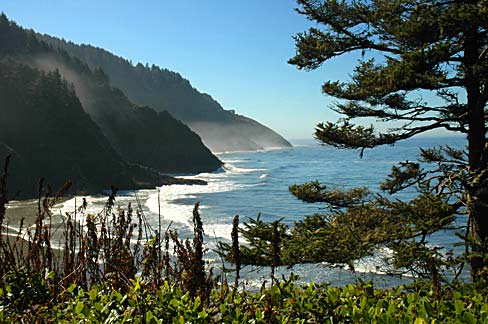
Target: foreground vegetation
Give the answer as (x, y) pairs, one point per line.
(115, 268)
(25, 298)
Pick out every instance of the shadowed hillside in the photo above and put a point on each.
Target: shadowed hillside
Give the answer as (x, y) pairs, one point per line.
(61, 120)
(47, 133)
(138, 134)
(221, 130)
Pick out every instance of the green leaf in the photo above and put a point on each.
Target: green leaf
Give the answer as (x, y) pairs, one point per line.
(259, 314)
(275, 291)
(79, 307)
(93, 293)
(459, 307)
(174, 303)
(202, 315)
(150, 318)
(332, 294)
(419, 320)
(50, 275)
(469, 318)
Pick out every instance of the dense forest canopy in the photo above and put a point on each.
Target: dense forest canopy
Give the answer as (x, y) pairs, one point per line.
(47, 132)
(143, 141)
(164, 90)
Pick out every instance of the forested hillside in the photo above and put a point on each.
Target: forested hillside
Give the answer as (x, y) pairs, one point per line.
(44, 128)
(220, 129)
(64, 121)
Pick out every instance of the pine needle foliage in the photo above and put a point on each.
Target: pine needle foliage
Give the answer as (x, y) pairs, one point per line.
(422, 66)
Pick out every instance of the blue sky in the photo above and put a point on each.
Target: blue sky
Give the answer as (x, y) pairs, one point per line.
(236, 51)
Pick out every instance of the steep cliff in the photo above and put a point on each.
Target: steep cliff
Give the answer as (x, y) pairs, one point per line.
(220, 130)
(48, 134)
(61, 120)
(138, 133)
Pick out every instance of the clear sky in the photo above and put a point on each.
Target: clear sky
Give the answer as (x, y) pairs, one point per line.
(236, 51)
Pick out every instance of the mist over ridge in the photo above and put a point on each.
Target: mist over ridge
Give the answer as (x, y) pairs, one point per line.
(54, 92)
(164, 90)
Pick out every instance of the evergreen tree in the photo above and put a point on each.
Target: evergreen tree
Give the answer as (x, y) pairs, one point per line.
(408, 50)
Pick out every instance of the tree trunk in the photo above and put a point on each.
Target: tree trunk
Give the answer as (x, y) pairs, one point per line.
(479, 230)
(477, 190)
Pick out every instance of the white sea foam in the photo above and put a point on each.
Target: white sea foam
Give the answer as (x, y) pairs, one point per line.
(169, 205)
(170, 211)
(169, 195)
(232, 160)
(233, 169)
(180, 213)
(218, 231)
(72, 205)
(377, 263)
(95, 205)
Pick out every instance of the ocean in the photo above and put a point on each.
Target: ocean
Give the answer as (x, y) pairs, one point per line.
(252, 183)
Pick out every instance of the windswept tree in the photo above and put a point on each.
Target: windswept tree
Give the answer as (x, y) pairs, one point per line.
(423, 65)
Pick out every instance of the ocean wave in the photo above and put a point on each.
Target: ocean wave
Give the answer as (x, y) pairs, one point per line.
(234, 169)
(375, 263)
(234, 160)
(218, 231)
(223, 172)
(264, 177)
(168, 207)
(180, 213)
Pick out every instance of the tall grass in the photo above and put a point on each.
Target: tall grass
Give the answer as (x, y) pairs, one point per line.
(112, 247)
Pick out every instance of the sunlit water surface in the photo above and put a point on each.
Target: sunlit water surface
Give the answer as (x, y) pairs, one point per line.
(257, 182)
